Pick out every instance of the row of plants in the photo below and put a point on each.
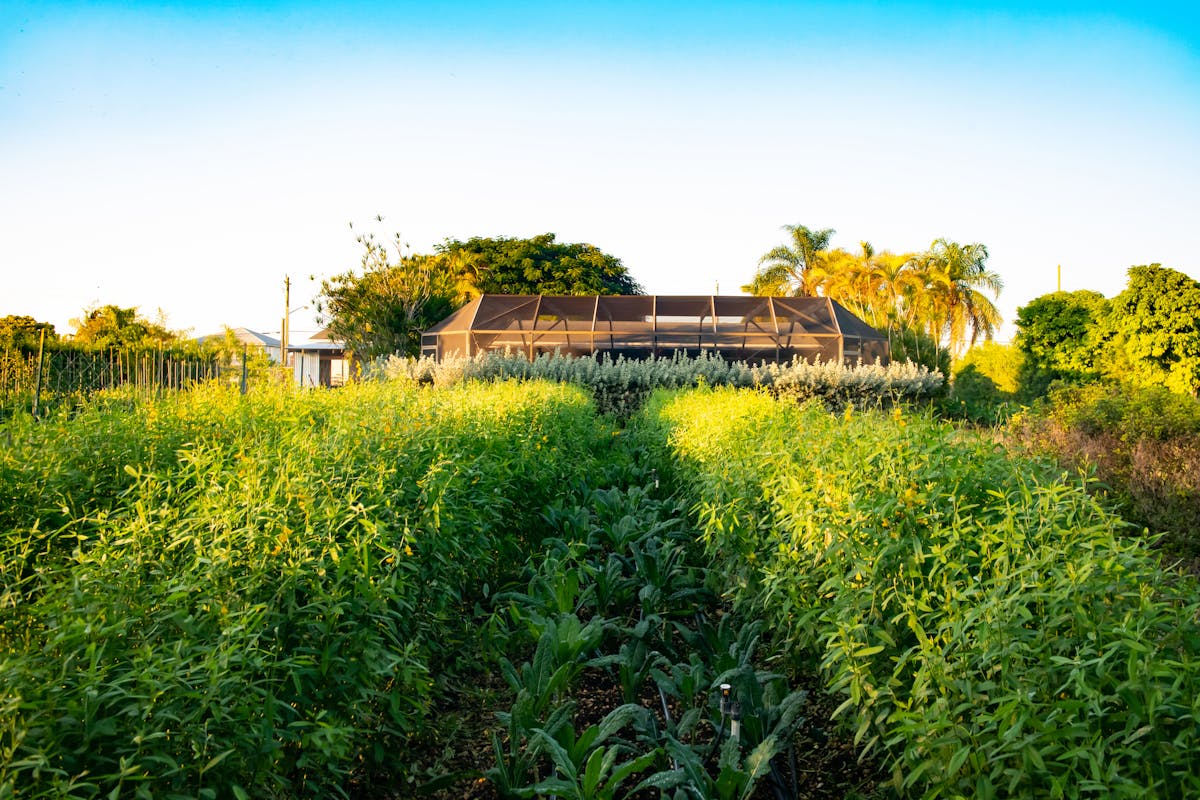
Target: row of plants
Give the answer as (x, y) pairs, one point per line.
(991, 630)
(637, 679)
(621, 385)
(271, 595)
(215, 595)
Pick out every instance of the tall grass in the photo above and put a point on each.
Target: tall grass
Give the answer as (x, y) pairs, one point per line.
(988, 626)
(212, 594)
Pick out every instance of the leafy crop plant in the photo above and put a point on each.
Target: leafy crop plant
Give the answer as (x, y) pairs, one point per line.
(987, 625)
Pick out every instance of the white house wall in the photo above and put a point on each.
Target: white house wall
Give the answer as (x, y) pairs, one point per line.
(306, 369)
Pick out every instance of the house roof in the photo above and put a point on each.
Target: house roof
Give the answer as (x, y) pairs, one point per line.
(246, 336)
(316, 347)
(323, 335)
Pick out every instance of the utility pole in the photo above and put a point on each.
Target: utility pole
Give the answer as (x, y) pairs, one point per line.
(1060, 277)
(283, 331)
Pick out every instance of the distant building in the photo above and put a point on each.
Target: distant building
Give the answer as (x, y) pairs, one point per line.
(268, 344)
(320, 361)
(737, 328)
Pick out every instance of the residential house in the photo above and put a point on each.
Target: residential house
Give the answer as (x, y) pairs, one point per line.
(319, 361)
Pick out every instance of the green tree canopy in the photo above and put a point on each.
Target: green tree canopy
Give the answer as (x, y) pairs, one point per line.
(24, 333)
(111, 326)
(382, 308)
(1154, 330)
(539, 265)
(1056, 334)
(1000, 363)
(986, 379)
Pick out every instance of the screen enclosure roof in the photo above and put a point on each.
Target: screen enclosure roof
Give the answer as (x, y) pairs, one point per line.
(735, 327)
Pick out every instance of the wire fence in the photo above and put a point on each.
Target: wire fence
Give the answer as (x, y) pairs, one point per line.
(68, 376)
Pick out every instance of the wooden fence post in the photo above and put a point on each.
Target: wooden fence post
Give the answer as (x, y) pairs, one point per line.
(37, 381)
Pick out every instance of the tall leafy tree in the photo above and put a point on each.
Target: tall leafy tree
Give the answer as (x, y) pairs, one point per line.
(796, 268)
(111, 326)
(383, 307)
(23, 333)
(880, 286)
(902, 303)
(1057, 335)
(540, 265)
(1154, 330)
(852, 280)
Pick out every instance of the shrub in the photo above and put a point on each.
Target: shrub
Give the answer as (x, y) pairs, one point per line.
(1142, 443)
(1129, 413)
(620, 386)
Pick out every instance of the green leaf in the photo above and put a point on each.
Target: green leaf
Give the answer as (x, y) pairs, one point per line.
(212, 762)
(957, 760)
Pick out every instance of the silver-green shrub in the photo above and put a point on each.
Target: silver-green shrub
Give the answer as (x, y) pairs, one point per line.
(620, 385)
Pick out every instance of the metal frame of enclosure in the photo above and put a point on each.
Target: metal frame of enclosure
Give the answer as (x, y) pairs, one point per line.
(737, 328)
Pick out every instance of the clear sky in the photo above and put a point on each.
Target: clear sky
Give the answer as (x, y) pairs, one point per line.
(187, 156)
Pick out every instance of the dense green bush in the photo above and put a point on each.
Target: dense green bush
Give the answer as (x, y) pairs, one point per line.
(976, 398)
(913, 344)
(259, 595)
(988, 625)
(1129, 413)
(984, 388)
(621, 385)
(1143, 445)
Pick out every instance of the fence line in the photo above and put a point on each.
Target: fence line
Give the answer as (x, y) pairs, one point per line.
(73, 374)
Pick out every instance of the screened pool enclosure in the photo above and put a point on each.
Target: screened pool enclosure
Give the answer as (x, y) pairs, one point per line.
(737, 328)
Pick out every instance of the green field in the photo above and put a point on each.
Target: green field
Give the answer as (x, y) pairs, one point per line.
(390, 589)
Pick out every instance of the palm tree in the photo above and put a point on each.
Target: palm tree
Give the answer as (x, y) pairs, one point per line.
(885, 289)
(467, 269)
(956, 277)
(796, 269)
(852, 280)
(900, 288)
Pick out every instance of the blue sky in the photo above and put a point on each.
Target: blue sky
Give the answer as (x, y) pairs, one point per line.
(188, 156)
